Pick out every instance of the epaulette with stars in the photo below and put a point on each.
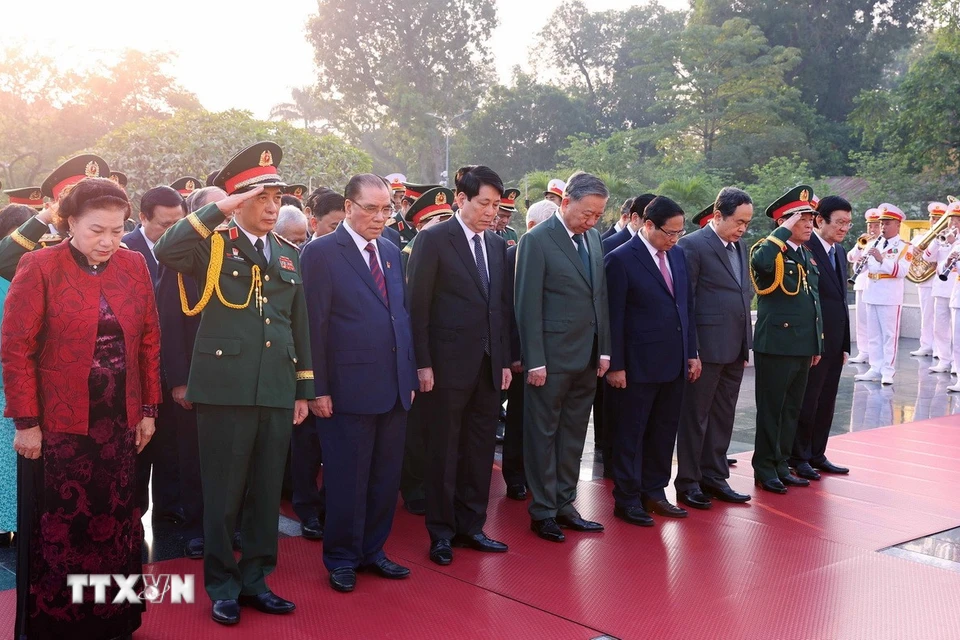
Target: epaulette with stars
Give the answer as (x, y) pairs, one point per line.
(49, 239)
(282, 239)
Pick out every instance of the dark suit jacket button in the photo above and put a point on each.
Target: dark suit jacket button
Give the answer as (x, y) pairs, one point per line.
(393, 318)
(592, 322)
(786, 325)
(394, 349)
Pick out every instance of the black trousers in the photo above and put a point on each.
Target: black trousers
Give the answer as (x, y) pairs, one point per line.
(781, 381)
(306, 456)
(188, 457)
(414, 454)
(161, 456)
(512, 463)
(816, 412)
(461, 437)
(646, 433)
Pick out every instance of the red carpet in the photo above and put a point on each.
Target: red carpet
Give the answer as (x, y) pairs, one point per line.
(801, 566)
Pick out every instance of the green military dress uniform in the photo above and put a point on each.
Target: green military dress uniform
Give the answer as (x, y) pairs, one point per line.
(788, 333)
(29, 236)
(251, 361)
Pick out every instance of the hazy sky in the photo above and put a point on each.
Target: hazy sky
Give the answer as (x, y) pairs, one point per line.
(225, 49)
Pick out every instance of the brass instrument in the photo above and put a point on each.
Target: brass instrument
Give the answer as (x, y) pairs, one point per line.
(922, 270)
(862, 262)
(864, 239)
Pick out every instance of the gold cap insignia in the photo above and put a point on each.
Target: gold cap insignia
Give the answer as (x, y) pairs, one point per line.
(298, 192)
(266, 159)
(805, 196)
(92, 170)
(115, 178)
(36, 195)
(190, 186)
(441, 198)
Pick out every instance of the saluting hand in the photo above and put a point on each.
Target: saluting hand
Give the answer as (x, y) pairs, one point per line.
(300, 411)
(231, 203)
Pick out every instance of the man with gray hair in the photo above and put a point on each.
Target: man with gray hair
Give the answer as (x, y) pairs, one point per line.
(292, 225)
(562, 316)
(717, 267)
(539, 212)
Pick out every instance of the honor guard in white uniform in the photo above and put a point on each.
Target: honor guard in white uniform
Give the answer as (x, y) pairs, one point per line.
(925, 292)
(951, 271)
(939, 251)
(861, 280)
(887, 263)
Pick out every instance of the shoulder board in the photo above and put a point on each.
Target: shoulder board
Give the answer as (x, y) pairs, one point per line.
(511, 228)
(284, 240)
(407, 249)
(50, 238)
(222, 227)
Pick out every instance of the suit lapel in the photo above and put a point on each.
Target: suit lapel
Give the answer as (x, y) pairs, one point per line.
(274, 251)
(718, 247)
(643, 255)
(348, 249)
(562, 238)
(459, 240)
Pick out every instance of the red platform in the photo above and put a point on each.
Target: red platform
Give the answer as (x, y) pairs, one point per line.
(802, 566)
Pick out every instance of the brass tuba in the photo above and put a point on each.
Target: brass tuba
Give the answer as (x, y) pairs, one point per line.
(921, 270)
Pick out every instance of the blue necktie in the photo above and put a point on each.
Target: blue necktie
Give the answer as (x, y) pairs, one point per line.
(584, 256)
(482, 271)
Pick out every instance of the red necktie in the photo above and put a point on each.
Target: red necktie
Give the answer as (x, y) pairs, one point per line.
(377, 273)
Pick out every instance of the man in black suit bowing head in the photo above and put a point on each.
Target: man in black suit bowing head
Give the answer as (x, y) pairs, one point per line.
(460, 309)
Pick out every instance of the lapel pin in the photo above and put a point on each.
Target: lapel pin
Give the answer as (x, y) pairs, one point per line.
(388, 265)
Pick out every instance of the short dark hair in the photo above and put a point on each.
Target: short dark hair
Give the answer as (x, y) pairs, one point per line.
(627, 207)
(293, 201)
(828, 205)
(161, 197)
(660, 210)
(12, 216)
(640, 203)
(361, 180)
(729, 199)
(472, 177)
(92, 193)
(327, 203)
(311, 201)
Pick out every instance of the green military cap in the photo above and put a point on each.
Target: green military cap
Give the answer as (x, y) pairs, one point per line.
(414, 191)
(508, 202)
(119, 177)
(210, 178)
(796, 200)
(185, 185)
(73, 171)
(433, 202)
(298, 191)
(703, 218)
(255, 166)
(29, 196)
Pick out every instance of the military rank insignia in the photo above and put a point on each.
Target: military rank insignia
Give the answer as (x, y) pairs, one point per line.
(286, 264)
(234, 234)
(813, 262)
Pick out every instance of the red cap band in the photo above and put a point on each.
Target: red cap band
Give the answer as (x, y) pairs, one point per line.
(233, 183)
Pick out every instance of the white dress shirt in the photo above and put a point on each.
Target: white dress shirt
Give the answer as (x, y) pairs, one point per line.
(362, 243)
(267, 252)
(483, 244)
(149, 242)
(571, 234)
(653, 254)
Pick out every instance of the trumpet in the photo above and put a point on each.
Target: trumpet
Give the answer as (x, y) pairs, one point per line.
(947, 237)
(864, 239)
(862, 262)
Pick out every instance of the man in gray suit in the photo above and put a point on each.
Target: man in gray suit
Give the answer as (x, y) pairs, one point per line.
(718, 267)
(562, 316)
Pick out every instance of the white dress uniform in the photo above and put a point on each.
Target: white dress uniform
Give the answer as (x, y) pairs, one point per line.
(884, 299)
(942, 332)
(925, 292)
(953, 277)
(860, 285)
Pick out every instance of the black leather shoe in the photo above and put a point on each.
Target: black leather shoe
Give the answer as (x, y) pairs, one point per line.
(417, 507)
(725, 494)
(517, 492)
(311, 529)
(225, 611)
(664, 508)
(773, 486)
(267, 602)
(175, 516)
(479, 542)
(548, 529)
(386, 568)
(804, 470)
(828, 467)
(634, 515)
(731, 462)
(578, 524)
(237, 542)
(694, 498)
(440, 552)
(343, 579)
(791, 480)
(193, 549)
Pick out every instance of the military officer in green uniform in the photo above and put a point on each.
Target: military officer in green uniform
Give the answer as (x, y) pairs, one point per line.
(250, 378)
(411, 194)
(508, 207)
(37, 232)
(435, 205)
(788, 337)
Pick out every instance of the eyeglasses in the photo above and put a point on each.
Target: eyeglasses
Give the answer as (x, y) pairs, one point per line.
(672, 234)
(373, 209)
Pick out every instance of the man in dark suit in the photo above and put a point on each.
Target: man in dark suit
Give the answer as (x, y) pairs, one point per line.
(654, 351)
(365, 375)
(620, 224)
(834, 215)
(460, 310)
(160, 208)
(604, 407)
(717, 265)
(561, 307)
(391, 234)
